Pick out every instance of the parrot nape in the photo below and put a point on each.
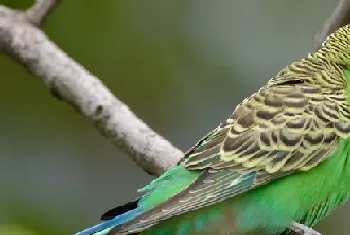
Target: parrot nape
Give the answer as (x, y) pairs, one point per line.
(279, 162)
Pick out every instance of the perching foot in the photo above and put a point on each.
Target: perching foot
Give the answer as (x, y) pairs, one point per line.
(302, 229)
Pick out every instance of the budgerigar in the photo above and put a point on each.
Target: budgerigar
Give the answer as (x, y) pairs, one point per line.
(280, 160)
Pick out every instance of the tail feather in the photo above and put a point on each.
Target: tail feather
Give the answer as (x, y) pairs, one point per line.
(157, 192)
(112, 213)
(104, 227)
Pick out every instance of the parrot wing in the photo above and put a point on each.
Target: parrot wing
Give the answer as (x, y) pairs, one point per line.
(285, 127)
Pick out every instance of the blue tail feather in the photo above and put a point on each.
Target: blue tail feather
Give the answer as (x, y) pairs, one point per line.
(104, 227)
(158, 191)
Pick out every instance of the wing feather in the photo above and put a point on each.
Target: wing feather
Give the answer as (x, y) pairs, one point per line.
(281, 129)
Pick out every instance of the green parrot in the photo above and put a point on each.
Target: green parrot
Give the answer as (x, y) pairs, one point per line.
(278, 165)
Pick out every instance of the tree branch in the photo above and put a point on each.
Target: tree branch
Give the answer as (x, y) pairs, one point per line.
(21, 39)
(339, 18)
(38, 13)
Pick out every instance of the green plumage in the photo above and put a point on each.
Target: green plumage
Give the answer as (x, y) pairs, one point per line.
(282, 156)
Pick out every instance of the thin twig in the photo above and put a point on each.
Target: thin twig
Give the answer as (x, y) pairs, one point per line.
(302, 229)
(339, 18)
(38, 13)
(69, 81)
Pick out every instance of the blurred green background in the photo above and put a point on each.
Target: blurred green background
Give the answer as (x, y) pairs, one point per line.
(181, 66)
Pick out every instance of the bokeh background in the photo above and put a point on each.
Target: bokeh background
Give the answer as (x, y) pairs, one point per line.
(181, 66)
